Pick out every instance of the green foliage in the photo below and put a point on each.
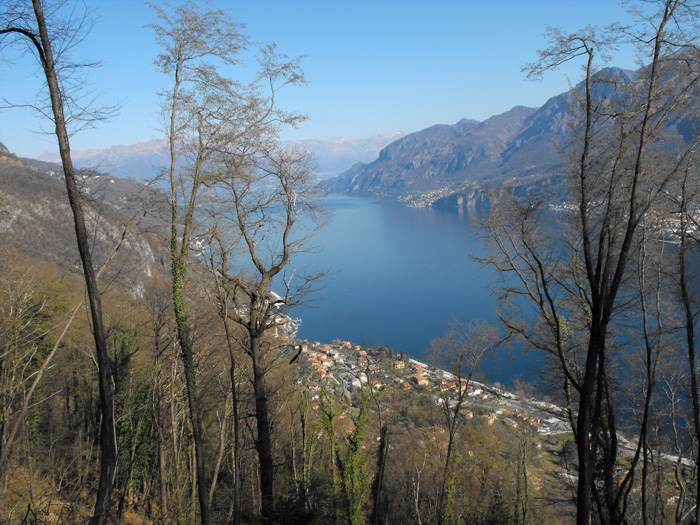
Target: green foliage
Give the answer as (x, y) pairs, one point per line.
(133, 414)
(35, 425)
(329, 412)
(354, 468)
(125, 344)
(450, 493)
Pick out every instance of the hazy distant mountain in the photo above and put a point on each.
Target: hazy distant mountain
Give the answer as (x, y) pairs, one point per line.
(441, 164)
(336, 155)
(144, 161)
(453, 161)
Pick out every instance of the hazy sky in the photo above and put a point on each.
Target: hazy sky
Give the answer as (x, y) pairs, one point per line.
(373, 66)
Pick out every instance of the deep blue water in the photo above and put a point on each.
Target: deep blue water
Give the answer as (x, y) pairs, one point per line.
(400, 275)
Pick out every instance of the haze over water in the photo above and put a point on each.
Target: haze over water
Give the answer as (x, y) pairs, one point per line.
(400, 276)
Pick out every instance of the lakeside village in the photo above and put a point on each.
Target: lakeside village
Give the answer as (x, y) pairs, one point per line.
(347, 368)
(351, 367)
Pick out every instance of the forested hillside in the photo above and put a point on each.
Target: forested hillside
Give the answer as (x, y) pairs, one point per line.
(377, 449)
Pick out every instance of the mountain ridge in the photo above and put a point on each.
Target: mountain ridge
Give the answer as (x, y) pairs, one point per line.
(444, 163)
(453, 162)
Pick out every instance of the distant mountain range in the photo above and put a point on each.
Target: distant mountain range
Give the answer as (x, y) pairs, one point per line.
(452, 164)
(141, 162)
(443, 165)
(144, 161)
(336, 155)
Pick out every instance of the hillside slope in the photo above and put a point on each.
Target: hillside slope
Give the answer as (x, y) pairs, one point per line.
(35, 219)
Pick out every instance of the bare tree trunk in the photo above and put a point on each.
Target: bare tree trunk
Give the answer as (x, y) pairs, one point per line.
(224, 297)
(236, 433)
(108, 446)
(222, 449)
(162, 476)
(191, 456)
(329, 413)
(263, 442)
(521, 489)
(236, 449)
(157, 419)
(307, 450)
(692, 358)
(650, 370)
(446, 471)
(416, 492)
(382, 455)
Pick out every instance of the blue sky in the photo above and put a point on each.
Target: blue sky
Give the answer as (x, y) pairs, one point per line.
(373, 66)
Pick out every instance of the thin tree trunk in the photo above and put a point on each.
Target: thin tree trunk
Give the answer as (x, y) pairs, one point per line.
(236, 455)
(157, 410)
(692, 359)
(381, 467)
(162, 475)
(193, 482)
(236, 437)
(223, 312)
(108, 445)
(222, 450)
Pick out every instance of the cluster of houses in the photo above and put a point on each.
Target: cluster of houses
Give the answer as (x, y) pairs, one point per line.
(324, 356)
(346, 360)
(669, 226)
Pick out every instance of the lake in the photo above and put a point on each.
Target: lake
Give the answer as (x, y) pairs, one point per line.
(400, 276)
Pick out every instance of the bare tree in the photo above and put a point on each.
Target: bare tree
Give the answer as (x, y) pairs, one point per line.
(189, 39)
(205, 113)
(269, 208)
(459, 352)
(576, 274)
(50, 40)
(157, 307)
(18, 318)
(224, 301)
(684, 208)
